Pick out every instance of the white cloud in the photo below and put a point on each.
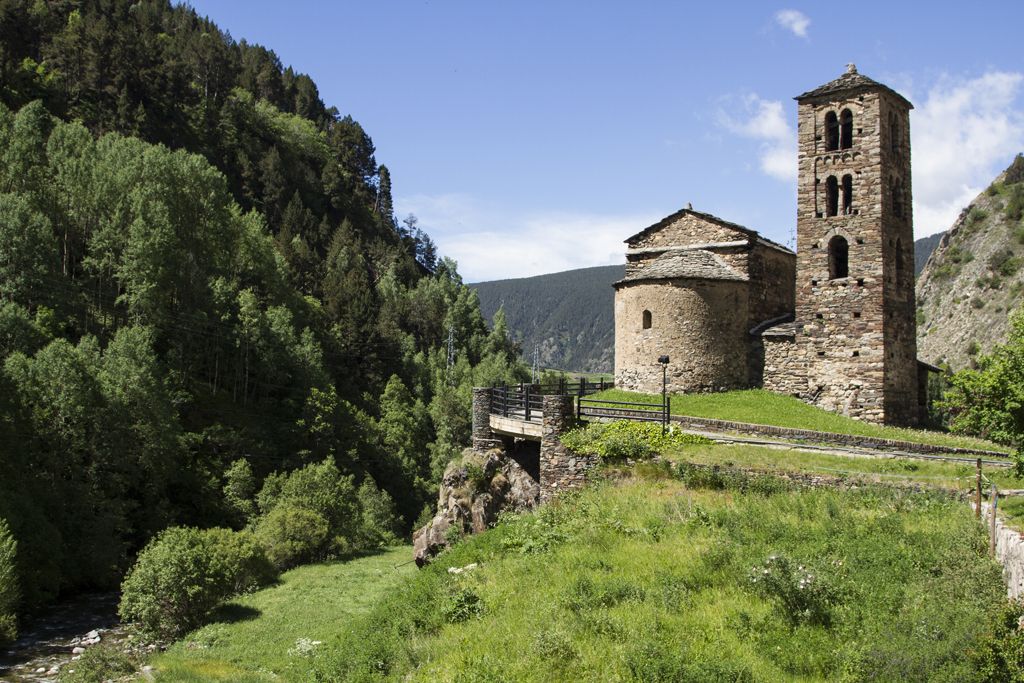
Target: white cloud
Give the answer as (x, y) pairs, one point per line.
(963, 134)
(491, 243)
(767, 122)
(793, 20)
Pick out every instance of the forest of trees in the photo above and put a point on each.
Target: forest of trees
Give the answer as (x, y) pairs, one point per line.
(201, 274)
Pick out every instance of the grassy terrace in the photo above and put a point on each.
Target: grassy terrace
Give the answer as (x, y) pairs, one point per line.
(257, 637)
(933, 473)
(655, 581)
(764, 407)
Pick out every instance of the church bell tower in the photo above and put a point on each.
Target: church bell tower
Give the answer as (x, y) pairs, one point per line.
(855, 302)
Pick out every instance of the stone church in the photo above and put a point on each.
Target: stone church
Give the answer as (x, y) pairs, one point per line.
(834, 323)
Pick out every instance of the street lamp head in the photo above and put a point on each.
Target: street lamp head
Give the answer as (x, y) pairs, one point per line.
(663, 360)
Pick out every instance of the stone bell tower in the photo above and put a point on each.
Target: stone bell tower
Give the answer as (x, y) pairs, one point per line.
(855, 303)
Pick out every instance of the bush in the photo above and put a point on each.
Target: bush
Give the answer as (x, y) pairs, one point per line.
(240, 491)
(9, 591)
(805, 597)
(99, 664)
(293, 535)
(380, 525)
(184, 573)
(320, 488)
(624, 439)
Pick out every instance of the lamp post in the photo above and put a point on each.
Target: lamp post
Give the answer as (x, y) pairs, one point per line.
(664, 393)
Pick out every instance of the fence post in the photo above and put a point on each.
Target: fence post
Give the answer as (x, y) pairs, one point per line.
(977, 493)
(561, 385)
(527, 402)
(992, 536)
(504, 402)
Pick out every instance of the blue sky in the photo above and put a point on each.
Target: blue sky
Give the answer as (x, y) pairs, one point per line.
(532, 137)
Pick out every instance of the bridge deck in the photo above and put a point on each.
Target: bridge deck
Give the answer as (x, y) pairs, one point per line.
(515, 425)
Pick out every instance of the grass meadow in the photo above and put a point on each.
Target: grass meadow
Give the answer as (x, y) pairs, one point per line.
(679, 577)
(270, 634)
(758, 406)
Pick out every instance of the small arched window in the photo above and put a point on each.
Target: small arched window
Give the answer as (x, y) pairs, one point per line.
(899, 260)
(831, 196)
(838, 258)
(847, 194)
(831, 132)
(647, 320)
(897, 198)
(894, 134)
(846, 129)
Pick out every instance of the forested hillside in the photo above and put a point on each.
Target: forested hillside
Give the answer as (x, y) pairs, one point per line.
(201, 283)
(569, 317)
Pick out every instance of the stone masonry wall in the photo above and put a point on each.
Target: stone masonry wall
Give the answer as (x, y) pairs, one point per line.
(702, 325)
(784, 365)
(560, 468)
(859, 359)
(483, 438)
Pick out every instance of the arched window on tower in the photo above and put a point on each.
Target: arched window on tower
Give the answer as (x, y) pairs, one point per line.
(894, 134)
(647, 320)
(831, 196)
(900, 265)
(846, 129)
(847, 194)
(838, 258)
(831, 132)
(897, 198)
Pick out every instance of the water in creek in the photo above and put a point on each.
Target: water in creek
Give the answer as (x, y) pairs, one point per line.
(47, 642)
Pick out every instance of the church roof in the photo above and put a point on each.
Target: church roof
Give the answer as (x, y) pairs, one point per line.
(672, 218)
(693, 264)
(851, 81)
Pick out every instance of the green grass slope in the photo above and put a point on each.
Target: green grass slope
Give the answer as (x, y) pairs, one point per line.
(758, 406)
(269, 635)
(667, 581)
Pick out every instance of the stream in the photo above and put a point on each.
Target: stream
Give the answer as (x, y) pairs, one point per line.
(54, 639)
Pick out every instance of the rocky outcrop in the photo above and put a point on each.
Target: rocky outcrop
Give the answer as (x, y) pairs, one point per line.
(975, 276)
(474, 491)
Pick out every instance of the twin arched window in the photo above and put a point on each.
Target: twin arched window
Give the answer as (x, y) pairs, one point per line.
(832, 195)
(894, 134)
(900, 265)
(838, 130)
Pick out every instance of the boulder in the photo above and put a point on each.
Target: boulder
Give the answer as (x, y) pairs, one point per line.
(465, 506)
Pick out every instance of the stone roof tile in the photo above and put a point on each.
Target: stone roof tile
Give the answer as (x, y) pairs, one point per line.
(695, 264)
(850, 81)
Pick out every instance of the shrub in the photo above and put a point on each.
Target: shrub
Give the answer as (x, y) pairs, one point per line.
(9, 591)
(240, 490)
(99, 664)
(322, 489)
(625, 439)
(184, 573)
(461, 605)
(477, 477)
(380, 525)
(977, 302)
(805, 597)
(293, 535)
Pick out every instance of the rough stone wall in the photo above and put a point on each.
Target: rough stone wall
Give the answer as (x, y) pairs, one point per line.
(785, 370)
(688, 229)
(1009, 552)
(772, 276)
(702, 325)
(560, 468)
(483, 438)
(857, 337)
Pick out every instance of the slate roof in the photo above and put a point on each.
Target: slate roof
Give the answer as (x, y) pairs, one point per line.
(694, 264)
(672, 218)
(850, 81)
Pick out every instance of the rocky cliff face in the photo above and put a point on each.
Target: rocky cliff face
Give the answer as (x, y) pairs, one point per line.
(474, 491)
(974, 279)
